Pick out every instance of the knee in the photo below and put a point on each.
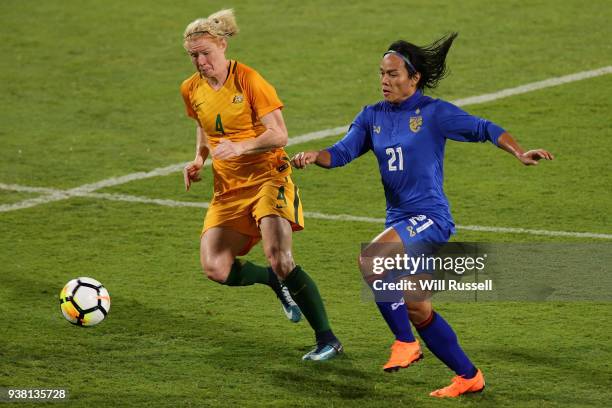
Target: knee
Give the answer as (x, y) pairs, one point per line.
(363, 264)
(419, 311)
(215, 271)
(280, 261)
(371, 270)
(216, 274)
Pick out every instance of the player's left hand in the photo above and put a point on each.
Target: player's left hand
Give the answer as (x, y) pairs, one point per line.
(532, 157)
(227, 149)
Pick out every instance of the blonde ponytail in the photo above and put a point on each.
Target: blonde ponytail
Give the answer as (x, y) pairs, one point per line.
(221, 24)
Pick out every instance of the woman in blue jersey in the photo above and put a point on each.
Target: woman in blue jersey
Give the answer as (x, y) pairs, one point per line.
(407, 132)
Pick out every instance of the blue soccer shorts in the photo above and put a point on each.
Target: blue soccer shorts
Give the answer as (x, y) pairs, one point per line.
(422, 236)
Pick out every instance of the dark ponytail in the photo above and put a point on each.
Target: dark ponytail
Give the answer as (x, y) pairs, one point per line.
(428, 60)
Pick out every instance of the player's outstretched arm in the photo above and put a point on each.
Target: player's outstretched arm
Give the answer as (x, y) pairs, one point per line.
(321, 158)
(528, 158)
(354, 144)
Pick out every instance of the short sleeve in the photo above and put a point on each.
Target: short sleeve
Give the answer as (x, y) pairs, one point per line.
(456, 124)
(185, 88)
(261, 94)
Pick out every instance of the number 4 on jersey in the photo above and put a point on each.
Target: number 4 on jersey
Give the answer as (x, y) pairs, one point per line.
(219, 124)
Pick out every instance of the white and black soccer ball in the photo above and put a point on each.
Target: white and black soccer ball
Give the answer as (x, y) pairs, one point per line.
(84, 302)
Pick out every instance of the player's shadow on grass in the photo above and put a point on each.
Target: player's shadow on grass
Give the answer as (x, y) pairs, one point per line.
(328, 381)
(341, 378)
(568, 369)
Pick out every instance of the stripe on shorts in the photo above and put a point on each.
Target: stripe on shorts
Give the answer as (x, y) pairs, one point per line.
(296, 204)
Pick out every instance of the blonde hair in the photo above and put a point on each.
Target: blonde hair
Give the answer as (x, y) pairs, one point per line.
(221, 24)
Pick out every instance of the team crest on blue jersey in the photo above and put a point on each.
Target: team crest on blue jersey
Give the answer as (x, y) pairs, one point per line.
(238, 99)
(416, 121)
(376, 129)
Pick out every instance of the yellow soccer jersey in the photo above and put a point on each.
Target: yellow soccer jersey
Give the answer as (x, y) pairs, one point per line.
(234, 112)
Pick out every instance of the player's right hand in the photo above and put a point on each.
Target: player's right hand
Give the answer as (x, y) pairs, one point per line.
(191, 172)
(303, 159)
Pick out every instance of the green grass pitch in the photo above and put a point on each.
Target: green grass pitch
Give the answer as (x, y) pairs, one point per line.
(90, 92)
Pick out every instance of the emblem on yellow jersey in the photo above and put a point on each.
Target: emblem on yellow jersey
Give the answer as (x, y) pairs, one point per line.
(416, 121)
(376, 129)
(238, 98)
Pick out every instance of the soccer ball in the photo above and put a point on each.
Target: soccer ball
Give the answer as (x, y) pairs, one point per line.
(84, 302)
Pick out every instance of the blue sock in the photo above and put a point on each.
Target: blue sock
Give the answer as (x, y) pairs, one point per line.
(397, 319)
(442, 341)
(392, 307)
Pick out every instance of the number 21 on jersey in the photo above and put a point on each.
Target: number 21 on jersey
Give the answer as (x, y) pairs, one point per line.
(395, 155)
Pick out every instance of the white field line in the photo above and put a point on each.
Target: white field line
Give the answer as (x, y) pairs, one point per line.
(162, 171)
(136, 199)
(114, 181)
(307, 214)
(353, 218)
(49, 195)
(33, 202)
(547, 83)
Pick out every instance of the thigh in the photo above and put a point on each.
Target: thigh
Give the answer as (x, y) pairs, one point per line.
(406, 241)
(219, 246)
(386, 245)
(234, 215)
(378, 263)
(276, 234)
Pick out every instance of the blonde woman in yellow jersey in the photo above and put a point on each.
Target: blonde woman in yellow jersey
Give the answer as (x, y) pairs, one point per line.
(239, 123)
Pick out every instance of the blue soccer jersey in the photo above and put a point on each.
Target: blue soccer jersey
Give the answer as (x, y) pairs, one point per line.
(408, 140)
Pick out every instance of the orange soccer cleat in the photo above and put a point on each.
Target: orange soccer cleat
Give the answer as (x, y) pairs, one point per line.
(460, 386)
(402, 355)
